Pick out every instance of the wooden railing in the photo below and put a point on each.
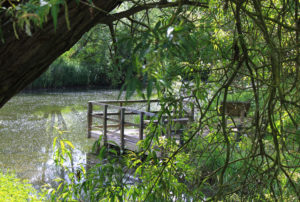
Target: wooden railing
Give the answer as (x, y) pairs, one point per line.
(122, 110)
(119, 122)
(236, 109)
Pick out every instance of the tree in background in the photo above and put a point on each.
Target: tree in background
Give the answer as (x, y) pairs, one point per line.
(88, 64)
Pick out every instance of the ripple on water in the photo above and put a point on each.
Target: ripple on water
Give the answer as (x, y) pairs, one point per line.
(27, 130)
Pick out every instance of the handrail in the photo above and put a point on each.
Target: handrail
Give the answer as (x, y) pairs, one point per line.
(120, 122)
(123, 101)
(121, 119)
(150, 114)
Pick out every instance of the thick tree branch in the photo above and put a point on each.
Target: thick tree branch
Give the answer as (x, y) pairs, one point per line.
(159, 5)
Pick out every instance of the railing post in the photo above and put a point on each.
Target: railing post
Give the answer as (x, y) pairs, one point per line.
(121, 104)
(148, 106)
(90, 118)
(141, 129)
(105, 125)
(122, 120)
(192, 113)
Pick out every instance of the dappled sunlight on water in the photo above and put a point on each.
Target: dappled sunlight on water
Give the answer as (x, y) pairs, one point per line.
(29, 123)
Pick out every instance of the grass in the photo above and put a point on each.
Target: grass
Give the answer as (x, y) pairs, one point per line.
(14, 189)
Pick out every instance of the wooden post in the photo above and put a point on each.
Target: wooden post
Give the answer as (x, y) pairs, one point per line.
(242, 116)
(141, 130)
(90, 118)
(180, 108)
(122, 120)
(121, 104)
(105, 125)
(240, 126)
(148, 106)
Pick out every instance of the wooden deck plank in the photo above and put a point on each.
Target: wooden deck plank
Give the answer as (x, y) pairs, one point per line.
(131, 137)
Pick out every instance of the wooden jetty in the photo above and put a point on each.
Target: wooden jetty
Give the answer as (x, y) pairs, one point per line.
(124, 126)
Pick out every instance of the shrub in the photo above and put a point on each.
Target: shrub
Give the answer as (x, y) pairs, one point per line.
(14, 189)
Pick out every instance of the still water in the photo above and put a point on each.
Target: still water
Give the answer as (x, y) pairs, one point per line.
(28, 125)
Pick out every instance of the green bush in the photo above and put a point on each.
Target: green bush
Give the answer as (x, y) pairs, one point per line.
(14, 189)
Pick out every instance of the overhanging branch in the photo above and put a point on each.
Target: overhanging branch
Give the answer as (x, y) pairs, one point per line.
(139, 8)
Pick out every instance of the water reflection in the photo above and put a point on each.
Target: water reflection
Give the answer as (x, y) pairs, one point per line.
(29, 123)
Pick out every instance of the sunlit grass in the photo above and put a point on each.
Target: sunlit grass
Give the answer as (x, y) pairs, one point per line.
(14, 189)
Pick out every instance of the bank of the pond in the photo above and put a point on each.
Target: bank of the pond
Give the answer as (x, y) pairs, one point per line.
(65, 73)
(72, 89)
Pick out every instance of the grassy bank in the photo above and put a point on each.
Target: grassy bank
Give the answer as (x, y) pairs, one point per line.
(14, 189)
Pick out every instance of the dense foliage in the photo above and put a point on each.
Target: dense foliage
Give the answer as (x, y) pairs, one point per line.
(88, 64)
(231, 51)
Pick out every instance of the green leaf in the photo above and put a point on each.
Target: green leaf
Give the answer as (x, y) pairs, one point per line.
(60, 185)
(54, 143)
(157, 25)
(83, 170)
(149, 88)
(62, 144)
(67, 16)
(69, 143)
(102, 153)
(15, 30)
(54, 14)
(113, 151)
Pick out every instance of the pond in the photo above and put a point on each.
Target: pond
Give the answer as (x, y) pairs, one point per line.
(29, 123)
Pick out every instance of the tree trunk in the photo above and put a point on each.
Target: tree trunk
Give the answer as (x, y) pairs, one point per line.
(25, 59)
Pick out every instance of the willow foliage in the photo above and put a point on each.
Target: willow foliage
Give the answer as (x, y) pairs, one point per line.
(231, 51)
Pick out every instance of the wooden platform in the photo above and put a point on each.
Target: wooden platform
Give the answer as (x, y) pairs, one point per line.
(123, 126)
(131, 137)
